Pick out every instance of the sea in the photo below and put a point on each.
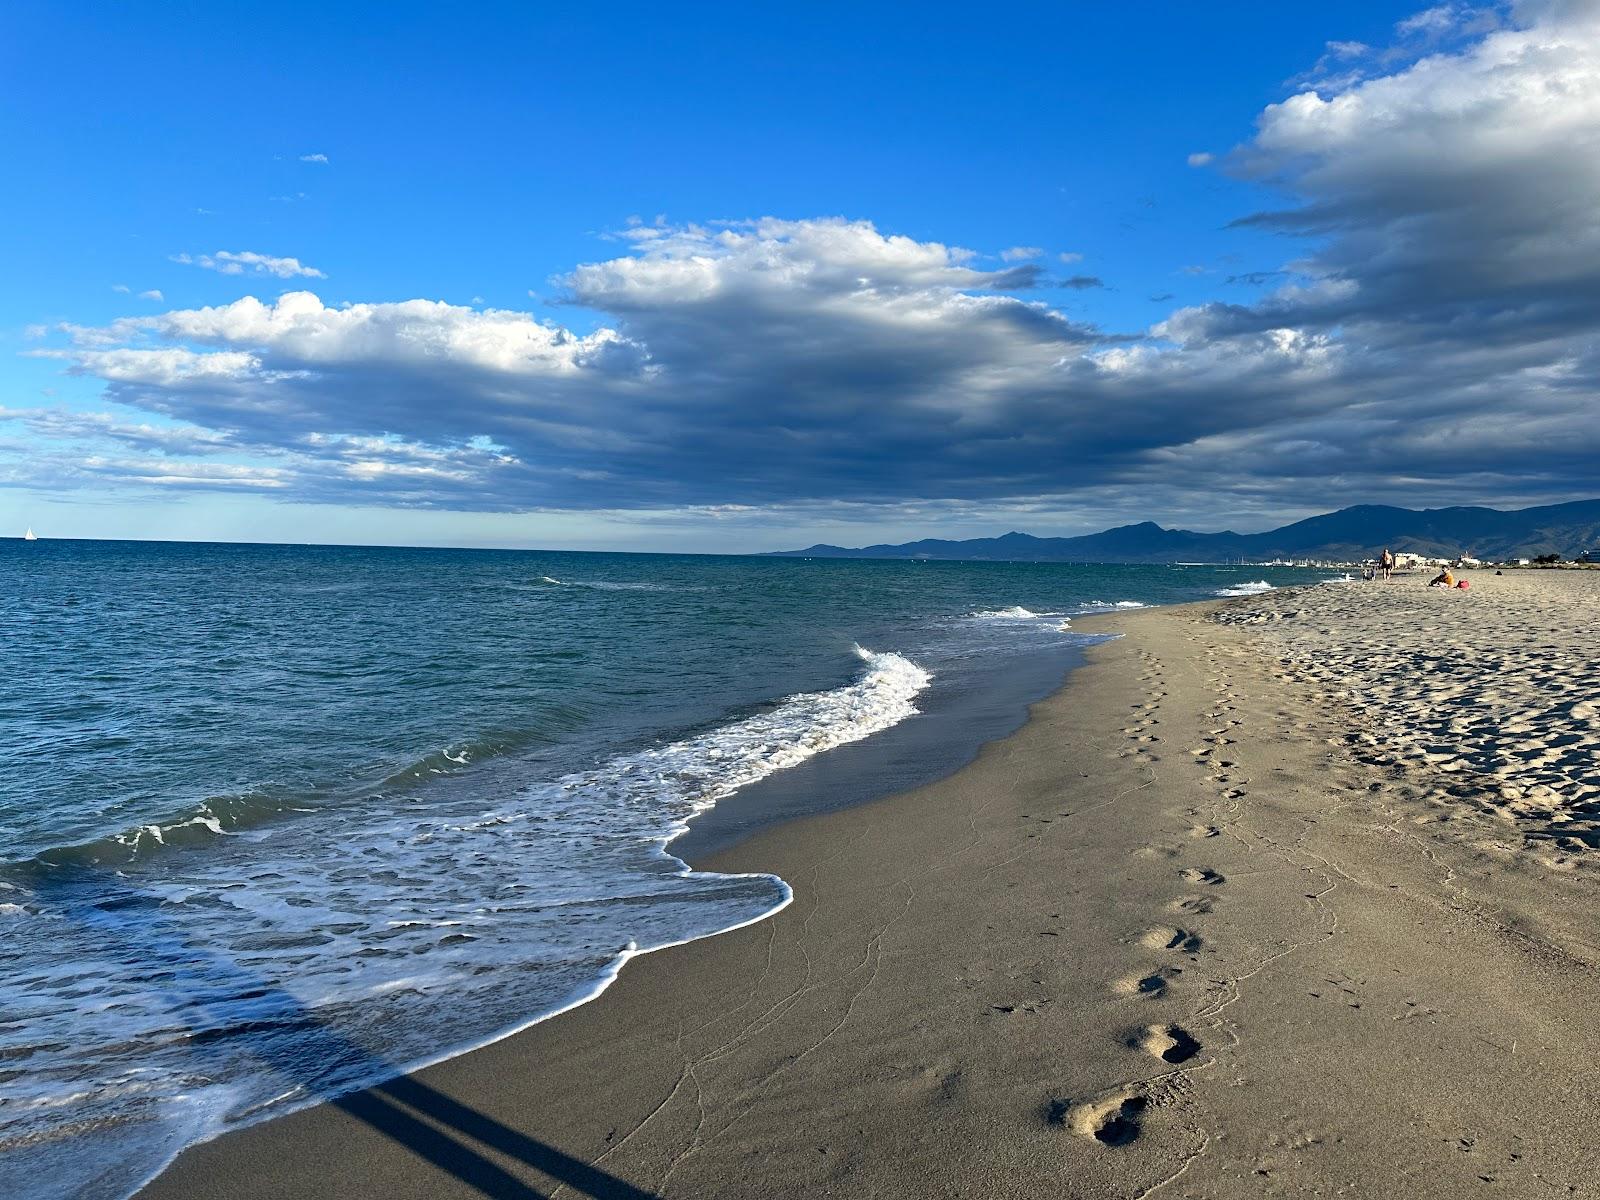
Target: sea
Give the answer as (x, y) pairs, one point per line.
(278, 822)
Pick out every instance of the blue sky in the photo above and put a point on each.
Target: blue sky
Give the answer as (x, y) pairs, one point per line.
(478, 159)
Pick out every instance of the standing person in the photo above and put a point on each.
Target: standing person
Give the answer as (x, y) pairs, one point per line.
(1386, 562)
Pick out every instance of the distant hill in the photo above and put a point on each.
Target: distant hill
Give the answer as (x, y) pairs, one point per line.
(1351, 534)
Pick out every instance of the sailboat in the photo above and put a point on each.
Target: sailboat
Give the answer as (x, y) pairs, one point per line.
(30, 536)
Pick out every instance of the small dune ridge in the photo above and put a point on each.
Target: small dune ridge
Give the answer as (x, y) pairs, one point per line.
(1487, 701)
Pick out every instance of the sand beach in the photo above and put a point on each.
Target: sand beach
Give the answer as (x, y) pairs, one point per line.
(1294, 894)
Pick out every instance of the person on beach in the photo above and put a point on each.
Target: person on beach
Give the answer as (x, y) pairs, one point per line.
(1386, 563)
(1443, 579)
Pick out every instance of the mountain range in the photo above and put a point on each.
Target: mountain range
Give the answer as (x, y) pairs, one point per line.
(1349, 535)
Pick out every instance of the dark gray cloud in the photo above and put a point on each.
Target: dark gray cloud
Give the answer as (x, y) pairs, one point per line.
(1433, 340)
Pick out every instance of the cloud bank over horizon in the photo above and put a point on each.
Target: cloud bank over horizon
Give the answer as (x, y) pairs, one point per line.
(1431, 338)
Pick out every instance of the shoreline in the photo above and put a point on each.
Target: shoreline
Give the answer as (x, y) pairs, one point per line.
(849, 775)
(709, 844)
(1012, 978)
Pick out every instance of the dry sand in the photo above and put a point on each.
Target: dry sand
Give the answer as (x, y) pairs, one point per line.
(1488, 697)
(1252, 907)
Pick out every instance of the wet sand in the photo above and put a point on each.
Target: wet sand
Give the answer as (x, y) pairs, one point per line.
(1234, 913)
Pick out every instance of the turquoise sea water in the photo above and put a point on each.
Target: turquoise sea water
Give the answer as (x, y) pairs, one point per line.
(277, 822)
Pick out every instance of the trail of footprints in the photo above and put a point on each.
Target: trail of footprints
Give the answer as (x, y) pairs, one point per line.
(1114, 1118)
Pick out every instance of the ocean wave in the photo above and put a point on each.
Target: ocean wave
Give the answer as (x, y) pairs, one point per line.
(609, 585)
(426, 928)
(1014, 613)
(1246, 589)
(692, 774)
(1095, 605)
(221, 816)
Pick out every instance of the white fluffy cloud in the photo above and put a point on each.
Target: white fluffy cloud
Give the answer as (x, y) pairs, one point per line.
(1433, 340)
(1465, 179)
(248, 262)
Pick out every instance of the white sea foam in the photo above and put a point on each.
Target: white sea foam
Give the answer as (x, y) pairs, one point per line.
(689, 776)
(1014, 613)
(1246, 589)
(605, 585)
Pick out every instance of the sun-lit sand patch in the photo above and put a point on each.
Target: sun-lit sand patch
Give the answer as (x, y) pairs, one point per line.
(1489, 695)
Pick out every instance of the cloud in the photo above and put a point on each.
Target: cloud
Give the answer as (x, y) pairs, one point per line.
(1347, 50)
(1444, 21)
(120, 287)
(1080, 282)
(244, 262)
(314, 158)
(152, 294)
(1432, 339)
(1200, 159)
(64, 425)
(1456, 195)
(1256, 278)
(1069, 257)
(1020, 253)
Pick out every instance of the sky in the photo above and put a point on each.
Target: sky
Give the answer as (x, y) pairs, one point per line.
(751, 277)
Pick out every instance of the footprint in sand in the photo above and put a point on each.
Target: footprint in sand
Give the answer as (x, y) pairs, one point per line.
(1157, 852)
(1203, 875)
(1204, 831)
(1191, 904)
(1151, 985)
(1111, 1120)
(1169, 1043)
(1166, 937)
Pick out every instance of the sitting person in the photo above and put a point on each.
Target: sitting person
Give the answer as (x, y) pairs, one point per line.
(1443, 579)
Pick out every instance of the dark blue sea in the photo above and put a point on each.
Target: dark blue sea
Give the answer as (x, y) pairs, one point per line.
(280, 821)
